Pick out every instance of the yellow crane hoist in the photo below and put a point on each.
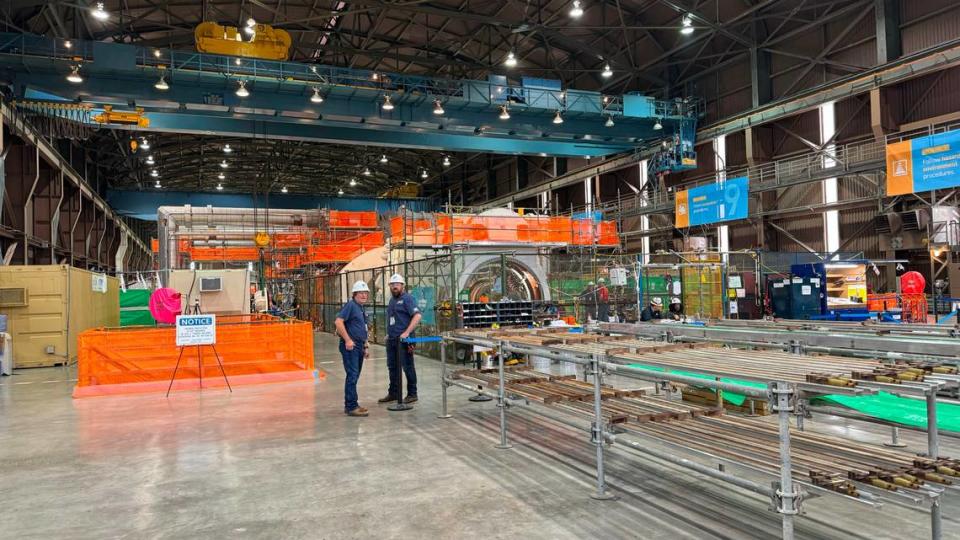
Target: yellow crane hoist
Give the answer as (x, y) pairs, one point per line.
(265, 41)
(125, 118)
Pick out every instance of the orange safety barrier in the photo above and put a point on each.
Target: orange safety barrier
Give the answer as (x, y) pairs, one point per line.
(343, 219)
(881, 302)
(253, 348)
(914, 308)
(504, 230)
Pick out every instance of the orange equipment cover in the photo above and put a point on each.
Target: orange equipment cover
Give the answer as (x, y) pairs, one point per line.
(253, 348)
(464, 229)
(343, 219)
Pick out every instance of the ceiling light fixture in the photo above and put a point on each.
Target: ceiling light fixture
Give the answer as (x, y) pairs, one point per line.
(251, 26)
(423, 174)
(609, 122)
(437, 107)
(227, 149)
(219, 187)
(237, 62)
(224, 164)
(511, 60)
(504, 113)
(74, 75)
(558, 118)
(283, 189)
(221, 176)
(150, 160)
(68, 44)
(316, 97)
(607, 72)
(383, 158)
(446, 161)
(387, 104)
(366, 171)
(657, 126)
(99, 13)
(686, 25)
(144, 143)
(242, 89)
(157, 185)
(162, 84)
(576, 11)
(353, 182)
(340, 191)
(154, 173)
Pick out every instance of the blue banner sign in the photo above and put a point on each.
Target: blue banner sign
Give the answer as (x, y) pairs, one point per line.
(712, 203)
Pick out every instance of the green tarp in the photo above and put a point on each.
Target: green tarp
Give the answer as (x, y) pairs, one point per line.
(134, 310)
(906, 411)
(883, 406)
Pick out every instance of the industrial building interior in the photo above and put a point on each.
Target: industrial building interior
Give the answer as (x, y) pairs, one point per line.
(624, 269)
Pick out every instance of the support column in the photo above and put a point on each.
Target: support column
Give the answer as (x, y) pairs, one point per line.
(889, 46)
(787, 499)
(502, 399)
(597, 431)
(443, 380)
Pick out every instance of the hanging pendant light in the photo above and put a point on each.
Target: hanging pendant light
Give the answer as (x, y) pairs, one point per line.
(504, 113)
(609, 122)
(607, 72)
(219, 187)
(558, 118)
(657, 126)
(316, 97)
(74, 75)
(446, 161)
(242, 89)
(576, 11)
(437, 107)
(162, 84)
(511, 60)
(383, 158)
(387, 104)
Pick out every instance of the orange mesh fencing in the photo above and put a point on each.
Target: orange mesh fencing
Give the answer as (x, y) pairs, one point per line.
(342, 219)
(504, 230)
(253, 348)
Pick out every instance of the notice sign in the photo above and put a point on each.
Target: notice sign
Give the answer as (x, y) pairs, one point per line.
(712, 203)
(924, 164)
(196, 330)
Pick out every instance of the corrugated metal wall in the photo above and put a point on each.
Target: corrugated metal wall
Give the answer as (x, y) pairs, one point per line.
(926, 23)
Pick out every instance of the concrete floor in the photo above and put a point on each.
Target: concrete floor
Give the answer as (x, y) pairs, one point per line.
(282, 461)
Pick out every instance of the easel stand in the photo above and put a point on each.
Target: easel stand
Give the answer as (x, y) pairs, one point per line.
(195, 310)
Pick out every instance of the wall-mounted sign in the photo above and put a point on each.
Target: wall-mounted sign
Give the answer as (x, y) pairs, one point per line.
(924, 164)
(712, 203)
(98, 282)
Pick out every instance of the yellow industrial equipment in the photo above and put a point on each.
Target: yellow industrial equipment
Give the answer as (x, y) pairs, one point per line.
(405, 190)
(265, 41)
(126, 118)
(261, 239)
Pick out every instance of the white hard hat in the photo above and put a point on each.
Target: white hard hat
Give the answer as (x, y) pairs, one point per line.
(601, 280)
(396, 278)
(360, 286)
(657, 301)
(589, 283)
(674, 300)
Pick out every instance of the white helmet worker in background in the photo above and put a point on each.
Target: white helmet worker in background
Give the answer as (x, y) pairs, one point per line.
(653, 311)
(351, 325)
(397, 278)
(676, 309)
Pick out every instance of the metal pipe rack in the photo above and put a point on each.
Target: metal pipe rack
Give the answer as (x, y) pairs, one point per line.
(783, 396)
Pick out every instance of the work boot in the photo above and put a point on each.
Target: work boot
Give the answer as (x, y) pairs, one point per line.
(359, 411)
(410, 399)
(387, 398)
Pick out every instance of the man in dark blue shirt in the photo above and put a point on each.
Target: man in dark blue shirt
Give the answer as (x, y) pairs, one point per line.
(403, 316)
(351, 325)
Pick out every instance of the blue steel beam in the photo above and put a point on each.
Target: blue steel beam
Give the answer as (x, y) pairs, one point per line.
(202, 100)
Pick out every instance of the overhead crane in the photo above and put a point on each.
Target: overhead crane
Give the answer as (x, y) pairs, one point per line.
(192, 92)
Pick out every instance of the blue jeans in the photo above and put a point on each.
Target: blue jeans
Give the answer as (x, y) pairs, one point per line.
(409, 371)
(352, 365)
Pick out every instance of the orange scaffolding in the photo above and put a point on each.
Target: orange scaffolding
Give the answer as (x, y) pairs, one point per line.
(254, 349)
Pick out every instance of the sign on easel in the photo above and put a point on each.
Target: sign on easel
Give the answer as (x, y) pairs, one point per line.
(196, 330)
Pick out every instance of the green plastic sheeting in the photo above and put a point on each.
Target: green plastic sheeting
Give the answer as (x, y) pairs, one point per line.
(134, 308)
(730, 397)
(906, 411)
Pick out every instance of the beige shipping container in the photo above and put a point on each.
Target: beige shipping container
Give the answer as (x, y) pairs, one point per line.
(48, 306)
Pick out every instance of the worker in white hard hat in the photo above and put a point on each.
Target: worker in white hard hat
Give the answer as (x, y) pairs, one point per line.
(653, 311)
(351, 325)
(403, 316)
(675, 309)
